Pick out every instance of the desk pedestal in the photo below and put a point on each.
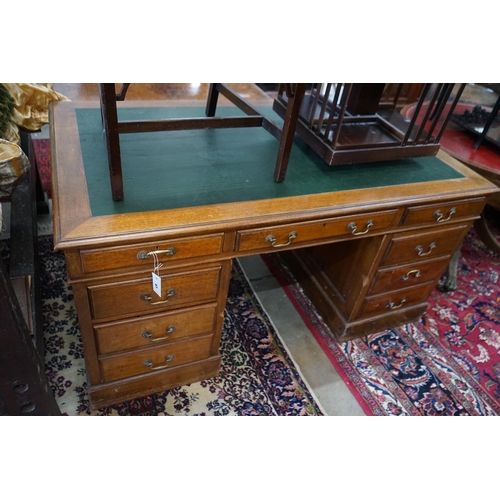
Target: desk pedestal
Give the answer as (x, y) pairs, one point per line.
(374, 283)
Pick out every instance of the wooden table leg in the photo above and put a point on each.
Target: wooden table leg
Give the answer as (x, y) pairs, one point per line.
(110, 122)
(213, 96)
(295, 96)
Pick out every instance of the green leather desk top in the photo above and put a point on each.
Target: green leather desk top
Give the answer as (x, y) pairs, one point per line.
(164, 170)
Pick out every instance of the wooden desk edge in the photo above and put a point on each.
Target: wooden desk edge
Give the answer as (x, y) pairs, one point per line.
(74, 224)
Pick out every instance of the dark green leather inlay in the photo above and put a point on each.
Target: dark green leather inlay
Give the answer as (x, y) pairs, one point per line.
(163, 170)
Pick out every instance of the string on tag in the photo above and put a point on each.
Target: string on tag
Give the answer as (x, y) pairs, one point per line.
(156, 275)
(156, 264)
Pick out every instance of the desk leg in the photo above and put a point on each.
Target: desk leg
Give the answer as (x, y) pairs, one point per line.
(110, 122)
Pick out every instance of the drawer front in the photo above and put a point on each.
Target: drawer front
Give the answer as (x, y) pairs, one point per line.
(290, 235)
(394, 301)
(155, 360)
(154, 330)
(416, 273)
(443, 212)
(141, 255)
(137, 296)
(423, 245)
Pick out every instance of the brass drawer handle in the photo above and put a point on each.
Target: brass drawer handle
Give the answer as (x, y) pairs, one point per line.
(168, 252)
(416, 272)
(148, 335)
(391, 305)
(149, 363)
(420, 249)
(353, 227)
(272, 239)
(440, 217)
(147, 297)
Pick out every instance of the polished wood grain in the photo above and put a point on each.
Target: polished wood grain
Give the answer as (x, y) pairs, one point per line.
(421, 244)
(141, 256)
(414, 273)
(320, 231)
(441, 213)
(154, 329)
(395, 299)
(110, 393)
(132, 297)
(155, 359)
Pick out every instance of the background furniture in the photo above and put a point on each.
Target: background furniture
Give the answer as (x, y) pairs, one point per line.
(23, 264)
(379, 250)
(471, 122)
(479, 121)
(358, 122)
(24, 389)
(343, 123)
(113, 127)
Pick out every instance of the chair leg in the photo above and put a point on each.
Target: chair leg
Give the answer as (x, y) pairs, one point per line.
(288, 132)
(110, 122)
(213, 96)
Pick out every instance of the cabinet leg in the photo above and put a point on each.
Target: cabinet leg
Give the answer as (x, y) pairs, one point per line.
(451, 280)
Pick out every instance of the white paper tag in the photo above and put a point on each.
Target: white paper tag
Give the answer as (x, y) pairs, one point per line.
(156, 284)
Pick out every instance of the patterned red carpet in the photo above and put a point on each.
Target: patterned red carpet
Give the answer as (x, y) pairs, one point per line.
(448, 363)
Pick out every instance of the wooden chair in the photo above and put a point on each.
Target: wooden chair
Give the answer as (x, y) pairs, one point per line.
(113, 127)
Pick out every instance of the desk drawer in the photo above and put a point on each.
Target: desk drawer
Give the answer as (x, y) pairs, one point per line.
(443, 212)
(424, 245)
(291, 235)
(154, 330)
(155, 360)
(121, 257)
(416, 273)
(137, 296)
(395, 301)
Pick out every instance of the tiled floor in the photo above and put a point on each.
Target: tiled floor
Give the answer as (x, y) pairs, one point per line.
(318, 371)
(322, 378)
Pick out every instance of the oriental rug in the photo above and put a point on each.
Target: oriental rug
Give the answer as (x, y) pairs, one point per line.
(257, 376)
(448, 363)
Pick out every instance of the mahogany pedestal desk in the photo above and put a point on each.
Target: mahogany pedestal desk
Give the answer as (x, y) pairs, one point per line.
(368, 242)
